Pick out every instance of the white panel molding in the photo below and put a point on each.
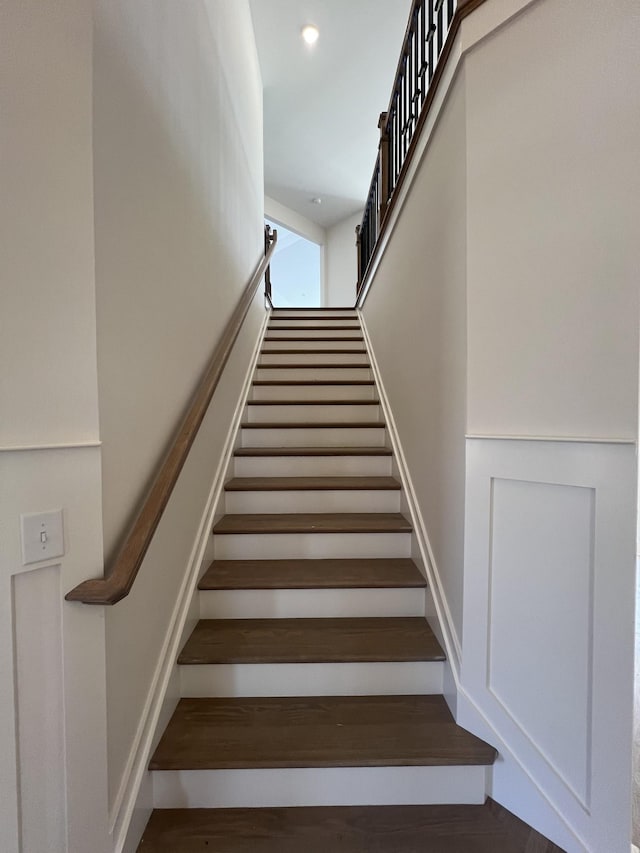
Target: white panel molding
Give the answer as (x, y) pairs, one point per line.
(70, 445)
(472, 710)
(131, 787)
(453, 646)
(553, 438)
(38, 662)
(44, 479)
(597, 819)
(497, 690)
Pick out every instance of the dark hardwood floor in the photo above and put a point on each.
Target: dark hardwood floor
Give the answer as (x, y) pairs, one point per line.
(389, 573)
(340, 640)
(316, 731)
(372, 829)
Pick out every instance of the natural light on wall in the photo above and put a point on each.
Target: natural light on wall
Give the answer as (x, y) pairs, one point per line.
(295, 271)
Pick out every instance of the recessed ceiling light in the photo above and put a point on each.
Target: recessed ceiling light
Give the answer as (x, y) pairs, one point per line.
(316, 201)
(310, 34)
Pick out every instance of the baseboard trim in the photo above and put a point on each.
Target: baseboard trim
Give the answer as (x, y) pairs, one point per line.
(452, 643)
(120, 817)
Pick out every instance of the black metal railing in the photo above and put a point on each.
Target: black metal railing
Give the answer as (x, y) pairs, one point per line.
(430, 23)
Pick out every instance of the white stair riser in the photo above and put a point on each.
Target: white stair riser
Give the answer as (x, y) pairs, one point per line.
(340, 500)
(332, 786)
(312, 466)
(310, 603)
(313, 392)
(304, 413)
(312, 679)
(314, 437)
(313, 374)
(310, 344)
(275, 359)
(315, 334)
(298, 546)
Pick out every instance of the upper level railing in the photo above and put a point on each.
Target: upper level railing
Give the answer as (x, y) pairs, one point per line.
(432, 27)
(119, 578)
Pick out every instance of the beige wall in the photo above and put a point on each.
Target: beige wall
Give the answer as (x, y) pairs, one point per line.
(553, 223)
(47, 310)
(179, 203)
(342, 261)
(416, 317)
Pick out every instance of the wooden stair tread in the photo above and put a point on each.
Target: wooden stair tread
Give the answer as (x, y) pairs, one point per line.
(327, 731)
(356, 450)
(315, 366)
(312, 574)
(314, 317)
(315, 339)
(313, 402)
(313, 425)
(313, 351)
(334, 522)
(334, 640)
(314, 382)
(303, 484)
(343, 829)
(281, 328)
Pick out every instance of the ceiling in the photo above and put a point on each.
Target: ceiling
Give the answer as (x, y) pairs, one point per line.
(321, 104)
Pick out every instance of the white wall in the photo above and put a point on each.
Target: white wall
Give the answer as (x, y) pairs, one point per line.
(416, 316)
(342, 261)
(47, 313)
(177, 189)
(53, 787)
(179, 203)
(553, 224)
(547, 348)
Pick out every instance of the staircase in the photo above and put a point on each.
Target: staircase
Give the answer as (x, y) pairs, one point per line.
(312, 679)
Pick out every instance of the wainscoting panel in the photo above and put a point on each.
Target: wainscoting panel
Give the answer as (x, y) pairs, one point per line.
(548, 623)
(37, 610)
(541, 619)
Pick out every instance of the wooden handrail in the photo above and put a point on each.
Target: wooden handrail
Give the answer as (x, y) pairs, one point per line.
(118, 582)
(427, 65)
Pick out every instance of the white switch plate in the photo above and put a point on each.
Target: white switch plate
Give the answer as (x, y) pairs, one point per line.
(42, 536)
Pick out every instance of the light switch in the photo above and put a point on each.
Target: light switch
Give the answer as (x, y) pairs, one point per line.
(42, 536)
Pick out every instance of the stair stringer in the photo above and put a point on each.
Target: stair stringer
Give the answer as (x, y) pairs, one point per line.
(134, 801)
(437, 609)
(465, 710)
